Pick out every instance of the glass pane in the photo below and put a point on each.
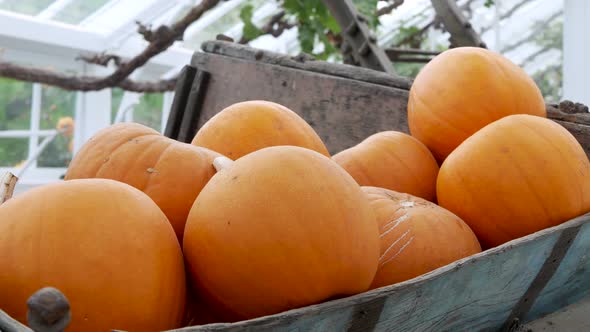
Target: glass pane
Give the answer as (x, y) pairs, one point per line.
(116, 97)
(29, 7)
(13, 151)
(221, 25)
(149, 110)
(77, 11)
(530, 34)
(15, 104)
(57, 154)
(55, 105)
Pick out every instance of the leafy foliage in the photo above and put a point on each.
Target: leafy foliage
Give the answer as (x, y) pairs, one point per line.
(368, 9)
(550, 79)
(250, 31)
(315, 24)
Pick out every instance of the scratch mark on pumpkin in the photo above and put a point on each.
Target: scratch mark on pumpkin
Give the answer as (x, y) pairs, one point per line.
(395, 223)
(152, 170)
(394, 243)
(407, 204)
(399, 251)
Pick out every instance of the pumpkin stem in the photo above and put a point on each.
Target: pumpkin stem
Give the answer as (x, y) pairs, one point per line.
(222, 163)
(7, 183)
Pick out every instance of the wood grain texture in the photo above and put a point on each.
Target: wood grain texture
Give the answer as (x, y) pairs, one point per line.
(474, 294)
(343, 103)
(181, 94)
(304, 63)
(193, 106)
(342, 111)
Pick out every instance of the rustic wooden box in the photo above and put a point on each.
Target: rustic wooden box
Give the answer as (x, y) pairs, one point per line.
(498, 289)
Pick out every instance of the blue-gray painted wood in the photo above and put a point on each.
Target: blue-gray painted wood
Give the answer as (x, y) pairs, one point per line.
(473, 294)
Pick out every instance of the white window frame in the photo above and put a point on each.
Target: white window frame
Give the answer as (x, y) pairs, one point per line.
(576, 51)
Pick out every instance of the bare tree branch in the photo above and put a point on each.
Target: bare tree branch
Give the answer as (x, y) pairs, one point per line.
(159, 40)
(275, 27)
(101, 59)
(71, 82)
(389, 8)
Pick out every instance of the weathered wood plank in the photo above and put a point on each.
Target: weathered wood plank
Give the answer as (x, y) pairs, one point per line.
(268, 75)
(304, 63)
(194, 104)
(473, 294)
(343, 111)
(181, 94)
(571, 318)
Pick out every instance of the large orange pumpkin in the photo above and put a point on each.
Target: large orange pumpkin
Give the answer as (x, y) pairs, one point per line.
(463, 89)
(280, 228)
(518, 175)
(169, 172)
(417, 236)
(252, 125)
(104, 244)
(392, 160)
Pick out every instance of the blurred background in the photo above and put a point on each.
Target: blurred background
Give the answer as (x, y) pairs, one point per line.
(548, 38)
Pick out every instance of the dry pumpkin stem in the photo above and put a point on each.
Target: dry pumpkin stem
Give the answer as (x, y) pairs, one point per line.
(7, 186)
(221, 163)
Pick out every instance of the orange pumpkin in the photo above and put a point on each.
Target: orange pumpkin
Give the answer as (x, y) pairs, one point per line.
(516, 176)
(417, 236)
(392, 160)
(169, 172)
(104, 244)
(252, 125)
(280, 228)
(463, 89)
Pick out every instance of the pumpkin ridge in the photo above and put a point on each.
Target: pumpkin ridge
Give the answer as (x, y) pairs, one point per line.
(501, 69)
(403, 247)
(155, 167)
(559, 151)
(396, 222)
(391, 247)
(413, 175)
(440, 117)
(150, 146)
(117, 148)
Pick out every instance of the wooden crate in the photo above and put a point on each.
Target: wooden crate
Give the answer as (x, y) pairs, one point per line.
(496, 290)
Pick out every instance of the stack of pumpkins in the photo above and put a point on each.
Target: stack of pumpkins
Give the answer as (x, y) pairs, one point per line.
(255, 217)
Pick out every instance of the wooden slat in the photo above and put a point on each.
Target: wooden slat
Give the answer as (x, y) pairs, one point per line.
(343, 103)
(343, 111)
(304, 63)
(194, 103)
(473, 294)
(181, 94)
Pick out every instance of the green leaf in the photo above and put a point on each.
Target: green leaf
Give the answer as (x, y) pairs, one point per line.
(489, 3)
(250, 31)
(307, 38)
